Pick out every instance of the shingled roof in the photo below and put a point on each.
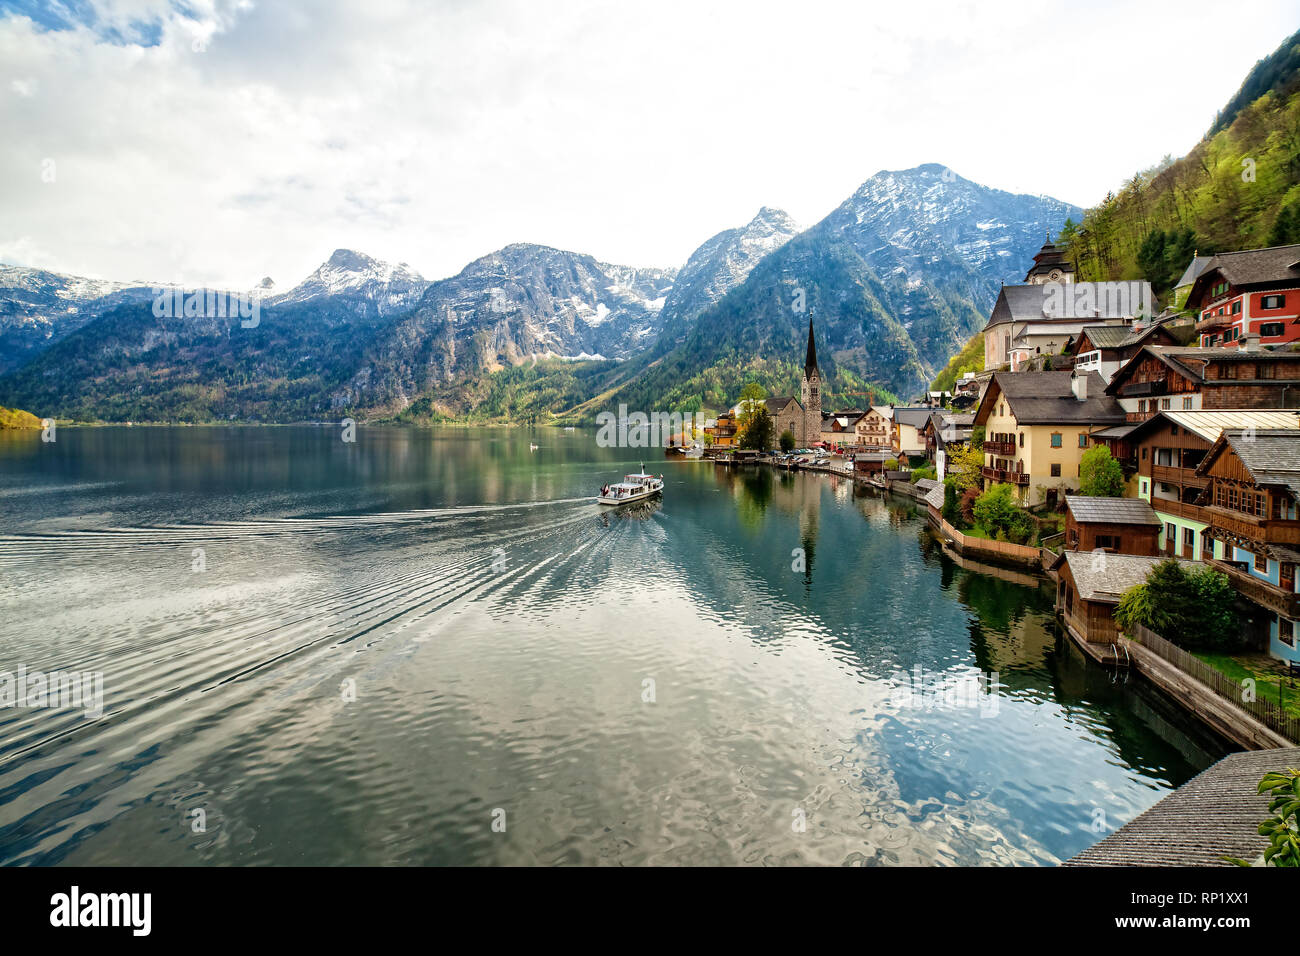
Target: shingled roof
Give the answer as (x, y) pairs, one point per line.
(1191, 362)
(1253, 267)
(1270, 455)
(1215, 814)
(1118, 336)
(1105, 577)
(1194, 269)
(1047, 398)
(1025, 303)
(1112, 510)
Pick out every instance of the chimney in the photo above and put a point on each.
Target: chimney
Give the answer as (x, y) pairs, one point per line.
(1079, 386)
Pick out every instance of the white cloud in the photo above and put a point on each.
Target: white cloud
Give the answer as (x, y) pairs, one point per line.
(233, 140)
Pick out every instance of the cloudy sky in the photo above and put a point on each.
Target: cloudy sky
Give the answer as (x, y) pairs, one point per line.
(218, 142)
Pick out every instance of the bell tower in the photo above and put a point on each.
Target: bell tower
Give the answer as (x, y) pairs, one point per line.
(810, 392)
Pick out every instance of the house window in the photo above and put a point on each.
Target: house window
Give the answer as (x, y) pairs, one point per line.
(1083, 439)
(1271, 328)
(1189, 538)
(1286, 631)
(1144, 487)
(1056, 439)
(1207, 545)
(1229, 370)
(1261, 563)
(1106, 542)
(1142, 405)
(1272, 302)
(1171, 533)
(1022, 439)
(1164, 403)
(1056, 470)
(1236, 307)
(1264, 370)
(1187, 404)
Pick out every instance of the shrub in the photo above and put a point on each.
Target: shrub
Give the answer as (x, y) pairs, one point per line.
(951, 513)
(1283, 828)
(1100, 475)
(787, 440)
(925, 471)
(1192, 607)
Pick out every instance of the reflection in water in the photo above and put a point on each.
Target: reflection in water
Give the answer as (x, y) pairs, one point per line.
(661, 683)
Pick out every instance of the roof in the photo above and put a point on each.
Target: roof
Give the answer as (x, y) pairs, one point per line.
(873, 454)
(1210, 424)
(1024, 303)
(925, 484)
(1194, 269)
(934, 497)
(1215, 814)
(1270, 455)
(1047, 398)
(810, 362)
(884, 411)
(1112, 510)
(1190, 362)
(1254, 266)
(1114, 431)
(916, 416)
(1104, 577)
(776, 404)
(1118, 336)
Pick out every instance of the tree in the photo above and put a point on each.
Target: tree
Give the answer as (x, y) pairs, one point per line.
(752, 397)
(997, 511)
(966, 463)
(1191, 607)
(1100, 475)
(951, 513)
(787, 440)
(757, 433)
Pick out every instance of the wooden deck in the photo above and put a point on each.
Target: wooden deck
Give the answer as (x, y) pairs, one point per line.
(1215, 814)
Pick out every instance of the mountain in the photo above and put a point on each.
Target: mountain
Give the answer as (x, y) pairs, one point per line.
(898, 277)
(717, 267)
(515, 306)
(1238, 188)
(369, 283)
(38, 308)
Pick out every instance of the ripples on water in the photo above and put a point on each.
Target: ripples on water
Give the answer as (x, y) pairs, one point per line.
(503, 636)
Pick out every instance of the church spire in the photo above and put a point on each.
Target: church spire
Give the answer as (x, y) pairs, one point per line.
(810, 363)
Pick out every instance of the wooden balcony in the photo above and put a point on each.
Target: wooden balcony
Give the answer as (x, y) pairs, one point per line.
(1005, 449)
(1253, 527)
(1002, 474)
(1263, 593)
(1141, 389)
(1180, 509)
(1178, 476)
(1213, 323)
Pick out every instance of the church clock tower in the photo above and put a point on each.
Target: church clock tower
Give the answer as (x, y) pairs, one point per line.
(810, 393)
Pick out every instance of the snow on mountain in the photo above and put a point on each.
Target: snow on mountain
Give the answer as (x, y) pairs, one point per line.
(388, 286)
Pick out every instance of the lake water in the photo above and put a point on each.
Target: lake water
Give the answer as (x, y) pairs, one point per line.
(431, 647)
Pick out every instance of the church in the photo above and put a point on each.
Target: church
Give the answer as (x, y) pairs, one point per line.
(802, 417)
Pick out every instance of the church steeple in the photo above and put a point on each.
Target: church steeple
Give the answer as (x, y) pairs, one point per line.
(810, 363)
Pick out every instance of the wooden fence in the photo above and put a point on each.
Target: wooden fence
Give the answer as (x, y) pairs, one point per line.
(1267, 712)
(1016, 552)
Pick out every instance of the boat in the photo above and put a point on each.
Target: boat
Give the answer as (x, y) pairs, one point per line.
(635, 487)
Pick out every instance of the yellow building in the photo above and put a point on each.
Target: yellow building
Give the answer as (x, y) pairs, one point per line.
(723, 432)
(1036, 427)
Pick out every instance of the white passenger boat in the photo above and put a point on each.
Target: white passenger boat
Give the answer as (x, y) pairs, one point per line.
(637, 487)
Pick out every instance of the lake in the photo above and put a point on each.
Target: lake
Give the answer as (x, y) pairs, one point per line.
(429, 646)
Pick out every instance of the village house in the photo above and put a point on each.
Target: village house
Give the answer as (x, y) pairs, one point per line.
(723, 430)
(1253, 486)
(1040, 317)
(870, 461)
(1254, 293)
(1089, 587)
(840, 428)
(1116, 525)
(1037, 427)
(1105, 348)
(1164, 378)
(875, 428)
(906, 440)
(1166, 450)
(943, 430)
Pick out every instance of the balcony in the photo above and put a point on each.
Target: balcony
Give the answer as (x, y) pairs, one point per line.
(1213, 323)
(1004, 449)
(1253, 527)
(1002, 474)
(1178, 476)
(1180, 509)
(1254, 589)
(1139, 389)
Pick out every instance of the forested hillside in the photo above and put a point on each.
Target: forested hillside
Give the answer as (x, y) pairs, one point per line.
(1239, 188)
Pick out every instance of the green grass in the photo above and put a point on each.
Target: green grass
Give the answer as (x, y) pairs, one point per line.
(1270, 680)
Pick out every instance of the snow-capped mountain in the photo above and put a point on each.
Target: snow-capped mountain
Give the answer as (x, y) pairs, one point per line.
(38, 308)
(718, 266)
(386, 286)
(519, 304)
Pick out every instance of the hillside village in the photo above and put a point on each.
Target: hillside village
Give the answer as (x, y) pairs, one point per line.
(1096, 446)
